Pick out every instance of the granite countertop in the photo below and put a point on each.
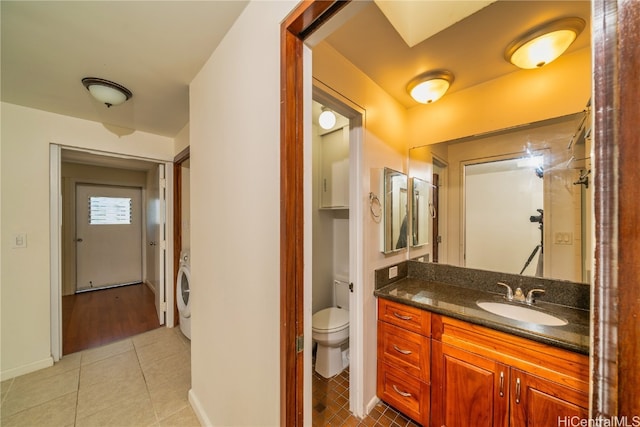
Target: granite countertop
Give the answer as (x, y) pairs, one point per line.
(460, 303)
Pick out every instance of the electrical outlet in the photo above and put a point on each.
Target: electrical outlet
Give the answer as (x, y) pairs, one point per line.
(19, 240)
(393, 272)
(563, 238)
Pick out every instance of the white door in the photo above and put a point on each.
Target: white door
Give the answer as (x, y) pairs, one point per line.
(108, 236)
(156, 237)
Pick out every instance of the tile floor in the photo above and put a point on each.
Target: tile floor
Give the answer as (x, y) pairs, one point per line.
(140, 381)
(331, 406)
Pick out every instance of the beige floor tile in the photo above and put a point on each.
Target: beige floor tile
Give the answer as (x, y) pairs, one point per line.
(120, 367)
(153, 336)
(184, 418)
(110, 394)
(186, 341)
(56, 412)
(104, 352)
(160, 349)
(5, 386)
(174, 368)
(29, 391)
(135, 412)
(170, 397)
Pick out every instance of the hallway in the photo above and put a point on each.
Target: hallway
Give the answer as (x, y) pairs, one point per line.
(140, 381)
(95, 318)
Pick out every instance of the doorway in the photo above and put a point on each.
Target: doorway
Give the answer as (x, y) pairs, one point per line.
(108, 236)
(111, 213)
(335, 240)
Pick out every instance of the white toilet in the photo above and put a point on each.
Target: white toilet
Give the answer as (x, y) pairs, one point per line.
(330, 328)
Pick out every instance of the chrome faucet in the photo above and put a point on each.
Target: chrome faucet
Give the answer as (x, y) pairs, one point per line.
(529, 299)
(518, 295)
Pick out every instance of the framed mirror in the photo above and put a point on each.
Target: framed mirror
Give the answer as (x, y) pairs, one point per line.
(422, 211)
(395, 211)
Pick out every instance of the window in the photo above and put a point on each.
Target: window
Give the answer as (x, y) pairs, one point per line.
(109, 210)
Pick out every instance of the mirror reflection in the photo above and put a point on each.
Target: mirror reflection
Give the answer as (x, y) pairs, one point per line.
(421, 212)
(395, 211)
(514, 201)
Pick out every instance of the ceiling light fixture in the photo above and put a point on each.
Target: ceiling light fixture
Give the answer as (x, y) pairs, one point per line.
(545, 43)
(430, 86)
(327, 119)
(107, 92)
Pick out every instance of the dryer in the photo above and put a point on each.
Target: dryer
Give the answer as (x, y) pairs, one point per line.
(183, 294)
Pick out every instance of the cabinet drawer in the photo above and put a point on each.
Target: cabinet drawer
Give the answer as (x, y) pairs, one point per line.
(404, 350)
(407, 317)
(407, 394)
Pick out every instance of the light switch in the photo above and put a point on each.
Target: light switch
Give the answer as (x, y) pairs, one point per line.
(19, 240)
(393, 271)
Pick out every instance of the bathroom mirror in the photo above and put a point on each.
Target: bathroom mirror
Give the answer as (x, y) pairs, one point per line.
(516, 200)
(395, 211)
(422, 211)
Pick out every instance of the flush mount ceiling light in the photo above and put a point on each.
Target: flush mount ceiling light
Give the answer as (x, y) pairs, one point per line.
(327, 119)
(107, 92)
(543, 44)
(430, 86)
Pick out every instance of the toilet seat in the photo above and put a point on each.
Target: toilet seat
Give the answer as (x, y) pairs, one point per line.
(332, 319)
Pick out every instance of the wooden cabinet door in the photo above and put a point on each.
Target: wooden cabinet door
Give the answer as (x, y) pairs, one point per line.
(467, 389)
(538, 402)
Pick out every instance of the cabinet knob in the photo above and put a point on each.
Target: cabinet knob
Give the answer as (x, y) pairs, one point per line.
(518, 390)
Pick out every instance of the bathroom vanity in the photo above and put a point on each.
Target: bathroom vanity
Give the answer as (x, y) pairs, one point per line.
(444, 361)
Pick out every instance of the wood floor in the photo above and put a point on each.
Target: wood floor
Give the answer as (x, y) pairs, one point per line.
(95, 318)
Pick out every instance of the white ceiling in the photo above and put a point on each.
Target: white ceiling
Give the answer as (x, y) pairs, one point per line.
(472, 48)
(154, 48)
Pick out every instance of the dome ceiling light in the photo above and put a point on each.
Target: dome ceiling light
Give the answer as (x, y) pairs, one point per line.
(544, 44)
(327, 119)
(107, 92)
(430, 86)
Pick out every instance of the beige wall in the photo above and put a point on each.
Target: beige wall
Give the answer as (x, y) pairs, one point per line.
(25, 277)
(235, 208)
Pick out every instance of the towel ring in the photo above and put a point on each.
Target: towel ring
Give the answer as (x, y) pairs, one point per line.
(375, 207)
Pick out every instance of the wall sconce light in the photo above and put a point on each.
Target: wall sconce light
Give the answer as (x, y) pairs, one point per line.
(107, 92)
(543, 44)
(327, 119)
(430, 86)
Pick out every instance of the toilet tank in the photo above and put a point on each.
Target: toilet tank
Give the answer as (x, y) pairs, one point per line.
(341, 292)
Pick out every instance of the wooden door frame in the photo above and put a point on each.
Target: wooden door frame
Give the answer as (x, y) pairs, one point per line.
(178, 160)
(616, 339)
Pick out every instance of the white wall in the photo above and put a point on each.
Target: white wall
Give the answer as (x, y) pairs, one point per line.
(25, 278)
(235, 208)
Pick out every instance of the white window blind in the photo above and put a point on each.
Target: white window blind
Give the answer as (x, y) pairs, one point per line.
(109, 210)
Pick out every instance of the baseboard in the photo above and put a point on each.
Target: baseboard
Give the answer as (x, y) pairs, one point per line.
(26, 369)
(372, 404)
(197, 408)
(150, 286)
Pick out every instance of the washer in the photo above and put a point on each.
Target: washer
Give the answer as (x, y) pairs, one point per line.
(183, 294)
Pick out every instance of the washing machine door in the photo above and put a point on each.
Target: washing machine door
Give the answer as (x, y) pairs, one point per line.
(183, 291)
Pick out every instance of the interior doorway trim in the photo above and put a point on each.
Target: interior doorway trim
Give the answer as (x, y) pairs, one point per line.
(55, 238)
(616, 338)
(178, 160)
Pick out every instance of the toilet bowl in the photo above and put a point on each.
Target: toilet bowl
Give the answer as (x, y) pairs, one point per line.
(330, 330)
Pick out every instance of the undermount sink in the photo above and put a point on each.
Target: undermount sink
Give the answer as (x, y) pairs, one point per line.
(521, 313)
